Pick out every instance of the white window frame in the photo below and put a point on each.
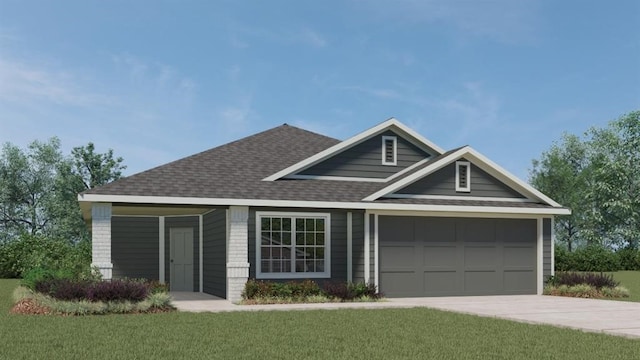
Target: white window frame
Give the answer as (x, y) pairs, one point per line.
(294, 275)
(395, 150)
(460, 164)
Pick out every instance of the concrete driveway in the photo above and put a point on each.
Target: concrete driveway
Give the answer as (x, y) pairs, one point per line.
(604, 316)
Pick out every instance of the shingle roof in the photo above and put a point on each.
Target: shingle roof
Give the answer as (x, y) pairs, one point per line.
(236, 171)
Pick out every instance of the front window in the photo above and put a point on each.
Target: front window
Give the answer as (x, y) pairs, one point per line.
(292, 245)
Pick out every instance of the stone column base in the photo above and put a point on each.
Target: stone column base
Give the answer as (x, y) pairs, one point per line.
(237, 276)
(106, 270)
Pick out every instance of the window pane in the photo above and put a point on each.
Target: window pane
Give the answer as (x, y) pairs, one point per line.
(266, 238)
(320, 265)
(286, 238)
(310, 239)
(310, 266)
(276, 266)
(319, 253)
(300, 266)
(320, 238)
(286, 253)
(286, 266)
(319, 224)
(299, 238)
(276, 238)
(265, 266)
(310, 226)
(300, 253)
(299, 224)
(265, 253)
(276, 253)
(276, 224)
(266, 223)
(286, 224)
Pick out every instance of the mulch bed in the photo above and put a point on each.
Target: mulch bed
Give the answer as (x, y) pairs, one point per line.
(29, 307)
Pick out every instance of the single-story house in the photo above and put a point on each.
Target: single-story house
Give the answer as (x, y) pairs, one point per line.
(385, 206)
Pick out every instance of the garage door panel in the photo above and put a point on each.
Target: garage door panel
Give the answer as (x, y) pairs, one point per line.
(435, 230)
(396, 228)
(476, 230)
(516, 230)
(480, 282)
(401, 283)
(522, 256)
(519, 282)
(480, 256)
(394, 257)
(439, 256)
(441, 283)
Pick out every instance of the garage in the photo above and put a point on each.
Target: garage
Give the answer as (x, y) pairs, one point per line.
(440, 256)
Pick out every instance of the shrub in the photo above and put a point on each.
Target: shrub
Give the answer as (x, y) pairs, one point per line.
(350, 291)
(597, 281)
(117, 290)
(64, 289)
(629, 258)
(156, 287)
(38, 274)
(305, 289)
(590, 258)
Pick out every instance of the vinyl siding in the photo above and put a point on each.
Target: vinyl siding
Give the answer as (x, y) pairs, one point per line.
(358, 246)
(134, 247)
(442, 182)
(338, 241)
(183, 222)
(546, 248)
(365, 159)
(214, 253)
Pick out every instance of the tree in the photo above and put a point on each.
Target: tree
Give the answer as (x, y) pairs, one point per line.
(598, 177)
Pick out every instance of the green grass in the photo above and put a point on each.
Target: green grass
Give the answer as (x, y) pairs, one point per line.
(328, 334)
(630, 280)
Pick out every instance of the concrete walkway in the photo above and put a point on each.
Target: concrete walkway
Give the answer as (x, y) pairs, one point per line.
(604, 316)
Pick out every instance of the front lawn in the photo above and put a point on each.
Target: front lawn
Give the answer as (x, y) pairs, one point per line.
(630, 280)
(328, 334)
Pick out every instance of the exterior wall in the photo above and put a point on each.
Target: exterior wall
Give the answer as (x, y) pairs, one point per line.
(134, 247)
(443, 182)
(338, 241)
(183, 222)
(214, 253)
(365, 159)
(547, 254)
(358, 246)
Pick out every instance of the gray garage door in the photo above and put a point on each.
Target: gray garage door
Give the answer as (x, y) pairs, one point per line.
(431, 256)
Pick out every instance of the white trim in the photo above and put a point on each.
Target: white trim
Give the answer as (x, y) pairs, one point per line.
(226, 250)
(459, 188)
(367, 250)
(458, 197)
(335, 178)
(200, 256)
(317, 204)
(161, 253)
(358, 179)
(455, 214)
(384, 154)
(481, 162)
(376, 260)
(540, 257)
(349, 246)
(294, 275)
(553, 247)
(386, 125)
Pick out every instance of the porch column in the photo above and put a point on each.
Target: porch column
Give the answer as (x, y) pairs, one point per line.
(237, 252)
(101, 238)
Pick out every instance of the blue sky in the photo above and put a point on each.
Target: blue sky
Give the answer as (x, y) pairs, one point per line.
(159, 80)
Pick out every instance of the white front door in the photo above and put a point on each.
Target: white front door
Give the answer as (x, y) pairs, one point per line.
(181, 259)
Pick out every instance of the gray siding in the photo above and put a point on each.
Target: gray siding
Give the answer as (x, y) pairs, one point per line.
(338, 241)
(134, 247)
(183, 222)
(214, 253)
(546, 248)
(373, 264)
(365, 159)
(443, 182)
(358, 246)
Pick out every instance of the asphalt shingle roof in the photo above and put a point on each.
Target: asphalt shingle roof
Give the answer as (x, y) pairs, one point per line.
(236, 171)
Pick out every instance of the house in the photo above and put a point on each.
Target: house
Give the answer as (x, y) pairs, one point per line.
(386, 206)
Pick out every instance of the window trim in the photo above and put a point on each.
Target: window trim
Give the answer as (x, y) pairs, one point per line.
(293, 275)
(460, 164)
(395, 150)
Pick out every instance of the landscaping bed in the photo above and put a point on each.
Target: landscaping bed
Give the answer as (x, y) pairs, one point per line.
(45, 292)
(585, 285)
(258, 292)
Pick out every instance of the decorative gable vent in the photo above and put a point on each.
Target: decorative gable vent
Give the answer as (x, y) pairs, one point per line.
(463, 176)
(389, 150)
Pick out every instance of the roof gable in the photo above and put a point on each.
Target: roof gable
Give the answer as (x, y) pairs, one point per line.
(478, 160)
(360, 149)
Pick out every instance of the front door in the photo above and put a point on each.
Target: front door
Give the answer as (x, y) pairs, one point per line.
(181, 259)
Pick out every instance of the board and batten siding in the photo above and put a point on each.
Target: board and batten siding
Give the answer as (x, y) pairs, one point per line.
(214, 253)
(134, 247)
(183, 222)
(443, 182)
(338, 241)
(546, 248)
(365, 159)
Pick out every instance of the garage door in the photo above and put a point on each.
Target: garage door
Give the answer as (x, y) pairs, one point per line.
(431, 256)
